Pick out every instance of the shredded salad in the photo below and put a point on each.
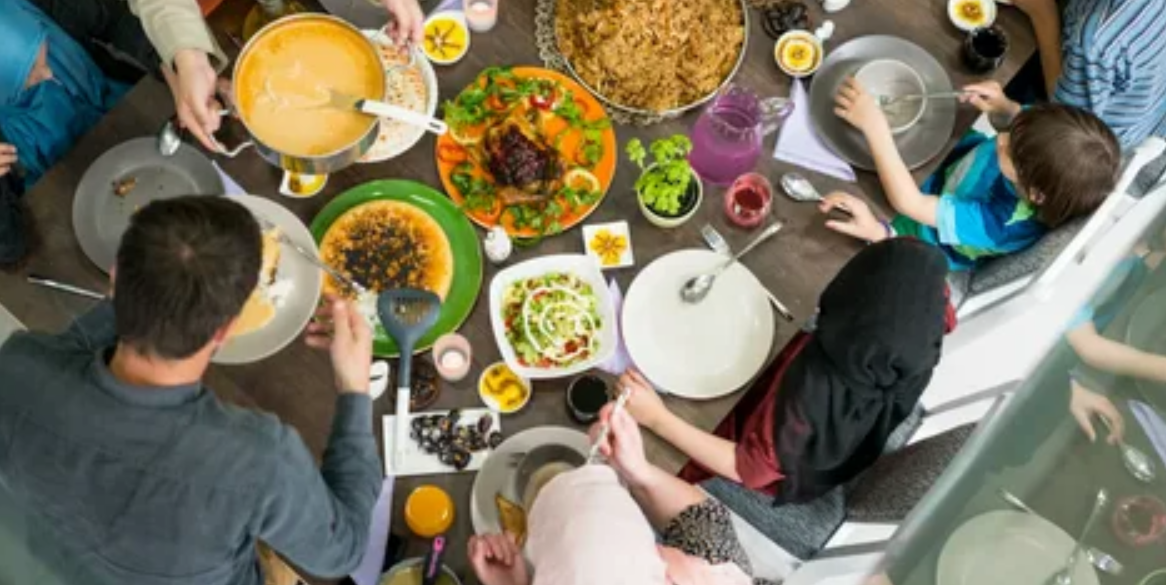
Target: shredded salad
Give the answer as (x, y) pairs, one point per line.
(552, 321)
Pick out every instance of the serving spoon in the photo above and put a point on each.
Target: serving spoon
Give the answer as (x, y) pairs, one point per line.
(800, 188)
(698, 287)
(1136, 461)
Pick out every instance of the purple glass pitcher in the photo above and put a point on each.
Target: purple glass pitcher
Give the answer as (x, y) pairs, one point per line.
(726, 139)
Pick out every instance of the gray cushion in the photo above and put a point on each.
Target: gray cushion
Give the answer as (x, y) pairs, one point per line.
(999, 271)
(894, 485)
(1149, 176)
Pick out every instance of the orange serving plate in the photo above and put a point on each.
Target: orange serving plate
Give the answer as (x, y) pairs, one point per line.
(551, 126)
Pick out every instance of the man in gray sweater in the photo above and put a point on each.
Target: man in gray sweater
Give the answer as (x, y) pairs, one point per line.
(117, 466)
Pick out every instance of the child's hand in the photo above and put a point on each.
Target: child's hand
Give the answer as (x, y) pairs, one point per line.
(859, 108)
(862, 223)
(988, 97)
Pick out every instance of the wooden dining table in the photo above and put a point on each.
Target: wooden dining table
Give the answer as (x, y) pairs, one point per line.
(296, 384)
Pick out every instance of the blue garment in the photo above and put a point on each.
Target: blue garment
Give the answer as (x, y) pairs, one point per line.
(1114, 64)
(980, 212)
(43, 121)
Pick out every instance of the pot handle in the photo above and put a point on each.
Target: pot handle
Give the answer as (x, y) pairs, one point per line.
(230, 152)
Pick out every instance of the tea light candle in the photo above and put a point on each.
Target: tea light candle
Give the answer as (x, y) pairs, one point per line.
(451, 356)
(481, 15)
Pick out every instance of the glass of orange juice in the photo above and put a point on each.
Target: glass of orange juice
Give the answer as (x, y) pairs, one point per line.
(429, 511)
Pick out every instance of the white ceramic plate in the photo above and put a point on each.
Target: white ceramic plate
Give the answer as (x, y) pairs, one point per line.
(582, 266)
(395, 138)
(496, 475)
(702, 350)
(300, 303)
(1004, 547)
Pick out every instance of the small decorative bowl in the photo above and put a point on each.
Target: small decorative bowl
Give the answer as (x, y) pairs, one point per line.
(491, 401)
(452, 356)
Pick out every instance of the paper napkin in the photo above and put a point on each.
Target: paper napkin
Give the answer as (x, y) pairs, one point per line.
(798, 143)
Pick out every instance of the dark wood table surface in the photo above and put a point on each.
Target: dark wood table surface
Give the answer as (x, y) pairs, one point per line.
(296, 383)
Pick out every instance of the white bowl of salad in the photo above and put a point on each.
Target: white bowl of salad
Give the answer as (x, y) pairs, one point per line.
(553, 316)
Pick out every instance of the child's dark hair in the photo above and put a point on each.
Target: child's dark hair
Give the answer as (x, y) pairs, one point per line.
(1068, 157)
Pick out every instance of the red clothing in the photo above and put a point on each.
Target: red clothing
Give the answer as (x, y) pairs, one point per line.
(750, 424)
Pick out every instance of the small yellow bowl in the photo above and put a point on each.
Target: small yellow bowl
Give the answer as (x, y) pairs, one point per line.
(503, 391)
(429, 511)
(447, 38)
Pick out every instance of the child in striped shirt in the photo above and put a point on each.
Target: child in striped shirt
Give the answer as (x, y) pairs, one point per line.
(989, 197)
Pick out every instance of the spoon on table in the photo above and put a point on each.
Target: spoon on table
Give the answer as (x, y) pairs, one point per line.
(800, 188)
(169, 139)
(1065, 575)
(886, 100)
(1136, 461)
(1103, 561)
(698, 287)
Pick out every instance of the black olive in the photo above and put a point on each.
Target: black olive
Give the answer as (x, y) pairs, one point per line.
(494, 440)
(445, 425)
(455, 415)
(461, 459)
(446, 456)
(485, 424)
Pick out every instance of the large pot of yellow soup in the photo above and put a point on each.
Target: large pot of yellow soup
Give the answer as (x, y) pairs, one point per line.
(283, 84)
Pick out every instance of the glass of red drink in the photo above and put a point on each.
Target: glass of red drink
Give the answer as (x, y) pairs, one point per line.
(748, 200)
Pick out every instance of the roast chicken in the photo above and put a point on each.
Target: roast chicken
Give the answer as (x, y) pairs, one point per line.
(526, 170)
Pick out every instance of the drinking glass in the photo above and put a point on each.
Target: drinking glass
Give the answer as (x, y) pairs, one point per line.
(481, 15)
(984, 49)
(748, 200)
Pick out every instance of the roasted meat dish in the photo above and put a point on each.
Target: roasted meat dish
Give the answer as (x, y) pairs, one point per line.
(526, 170)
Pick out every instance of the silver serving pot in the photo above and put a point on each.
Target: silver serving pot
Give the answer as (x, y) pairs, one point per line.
(317, 164)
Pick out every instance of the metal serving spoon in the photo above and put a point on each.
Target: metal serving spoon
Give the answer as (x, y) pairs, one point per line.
(800, 188)
(1065, 575)
(698, 287)
(169, 139)
(1136, 461)
(1102, 560)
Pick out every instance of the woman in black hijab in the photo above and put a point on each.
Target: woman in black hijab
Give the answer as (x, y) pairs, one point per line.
(823, 410)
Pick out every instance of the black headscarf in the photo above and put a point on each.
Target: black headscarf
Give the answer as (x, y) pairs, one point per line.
(879, 336)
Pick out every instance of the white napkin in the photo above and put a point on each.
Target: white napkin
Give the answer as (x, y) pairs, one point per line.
(798, 144)
(230, 187)
(455, 5)
(369, 570)
(620, 360)
(1152, 424)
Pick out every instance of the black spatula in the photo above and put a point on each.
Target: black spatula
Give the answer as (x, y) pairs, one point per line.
(407, 315)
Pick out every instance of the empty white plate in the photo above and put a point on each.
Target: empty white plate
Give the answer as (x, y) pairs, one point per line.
(704, 350)
(1004, 547)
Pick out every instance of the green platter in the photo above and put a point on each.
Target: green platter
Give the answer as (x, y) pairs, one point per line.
(467, 255)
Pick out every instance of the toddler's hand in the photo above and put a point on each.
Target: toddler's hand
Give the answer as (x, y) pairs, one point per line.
(859, 108)
(988, 97)
(863, 224)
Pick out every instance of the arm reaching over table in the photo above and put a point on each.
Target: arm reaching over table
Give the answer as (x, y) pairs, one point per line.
(861, 110)
(716, 454)
(187, 48)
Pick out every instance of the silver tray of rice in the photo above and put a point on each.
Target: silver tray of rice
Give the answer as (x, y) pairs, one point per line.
(652, 57)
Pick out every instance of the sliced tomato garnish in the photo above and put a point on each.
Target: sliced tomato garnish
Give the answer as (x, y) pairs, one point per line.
(451, 154)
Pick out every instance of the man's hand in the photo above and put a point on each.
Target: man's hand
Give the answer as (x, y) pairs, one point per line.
(193, 84)
(862, 224)
(408, 24)
(859, 108)
(497, 560)
(624, 445)
(1084, 404)
(644, 404)
(7, 158)
(989, 98)
(342, 330)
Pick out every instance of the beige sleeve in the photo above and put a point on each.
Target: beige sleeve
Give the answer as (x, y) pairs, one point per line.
(173, 25)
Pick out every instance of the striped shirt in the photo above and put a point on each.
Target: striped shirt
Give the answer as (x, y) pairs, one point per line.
(1114, 54)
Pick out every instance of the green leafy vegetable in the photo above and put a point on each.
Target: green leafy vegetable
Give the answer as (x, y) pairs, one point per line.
(663, 184)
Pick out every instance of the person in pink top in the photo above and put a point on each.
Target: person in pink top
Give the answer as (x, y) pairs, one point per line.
(586, 528)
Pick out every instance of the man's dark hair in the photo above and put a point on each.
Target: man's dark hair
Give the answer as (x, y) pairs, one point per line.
(1066, 155)
(184, 269)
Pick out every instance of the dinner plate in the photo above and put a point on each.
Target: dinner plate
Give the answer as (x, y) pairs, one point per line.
(100, 217)
(463, 241)
(922, 142)
(604, 170)
(300, 303)
(1147, 332)
(395, 137)
(1004, 547)
(585, 268)
(497, 474)
(703, 350)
